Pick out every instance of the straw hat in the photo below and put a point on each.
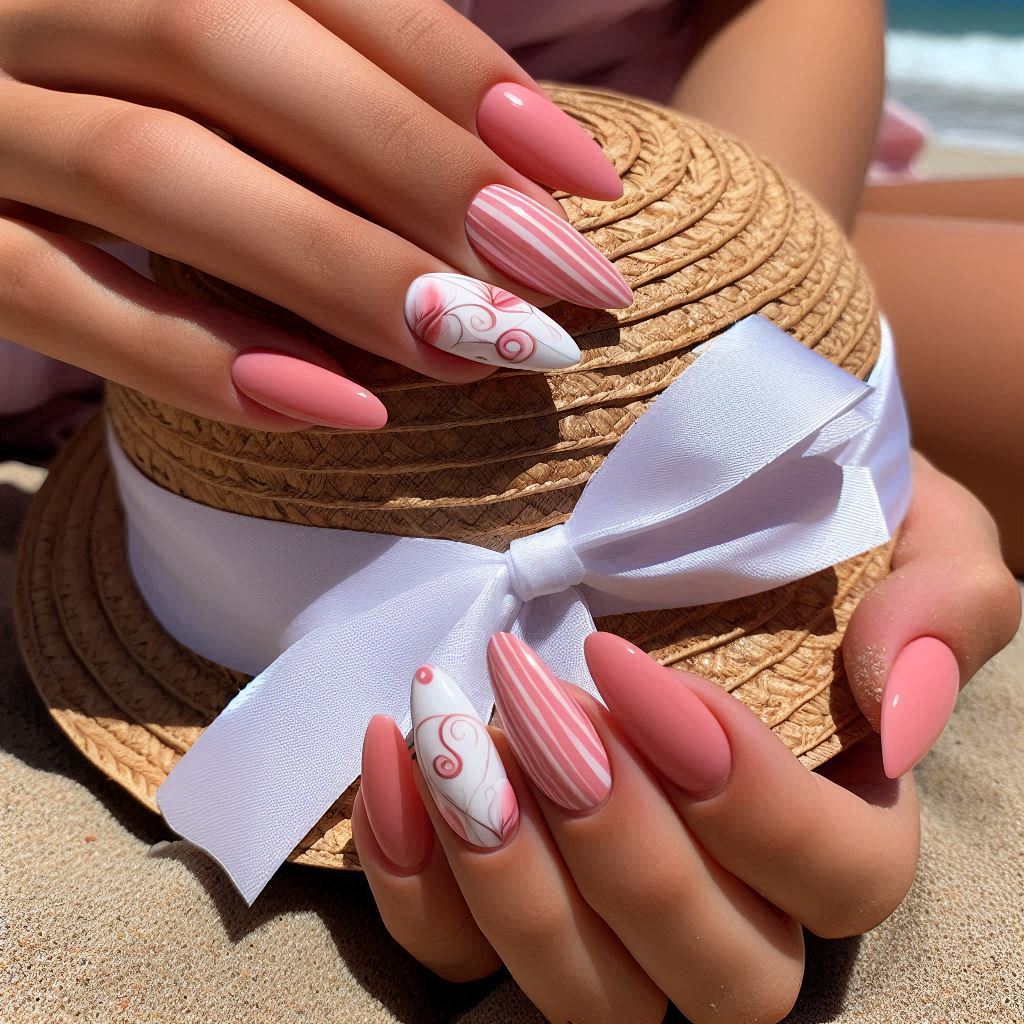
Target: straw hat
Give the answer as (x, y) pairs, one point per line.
(706, 233)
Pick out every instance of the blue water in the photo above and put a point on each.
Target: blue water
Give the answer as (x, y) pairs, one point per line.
(958, 17)
(960, 63)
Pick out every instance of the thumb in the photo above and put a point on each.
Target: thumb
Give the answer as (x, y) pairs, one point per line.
(949, 605)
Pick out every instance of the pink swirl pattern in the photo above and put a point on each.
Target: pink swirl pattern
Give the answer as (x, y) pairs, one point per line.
(460, 763)
(483, 322)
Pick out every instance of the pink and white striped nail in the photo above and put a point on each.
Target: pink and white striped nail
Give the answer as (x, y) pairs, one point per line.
(460, 763)
(530, 244)
(551, 737)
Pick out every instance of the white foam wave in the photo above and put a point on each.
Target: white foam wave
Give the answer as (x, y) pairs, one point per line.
(970, 63)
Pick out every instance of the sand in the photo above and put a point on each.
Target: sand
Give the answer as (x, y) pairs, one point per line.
(102, 920)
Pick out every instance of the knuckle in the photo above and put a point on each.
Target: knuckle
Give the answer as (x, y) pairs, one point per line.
(651, 893)
(534, 925)
(425, 29)
(995, 590)
(27, 283)
(125, 149)
(190, 29)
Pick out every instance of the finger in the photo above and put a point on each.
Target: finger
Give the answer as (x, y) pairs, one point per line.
(119, 166)
(559, 951)
(833, 860)
(418, 899)
(463, 73)
(949, 605)
(402, 162)
(210, 361)
(715, 947)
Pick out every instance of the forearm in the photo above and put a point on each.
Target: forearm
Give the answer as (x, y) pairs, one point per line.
(801, 81)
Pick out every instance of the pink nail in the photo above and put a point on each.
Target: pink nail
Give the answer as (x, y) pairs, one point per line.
(529, 132)
(551, 737)
(397, 816)
(666, 721)
(533, 246)
(917, 702)
(306, 391)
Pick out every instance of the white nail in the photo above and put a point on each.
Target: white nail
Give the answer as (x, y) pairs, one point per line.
(460, 762)
(485, 323)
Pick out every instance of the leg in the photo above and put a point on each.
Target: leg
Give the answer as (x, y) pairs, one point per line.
(951, 288)
(980, 199)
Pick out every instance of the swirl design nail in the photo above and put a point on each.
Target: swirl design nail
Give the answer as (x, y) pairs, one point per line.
(480, 321)
(460, 763)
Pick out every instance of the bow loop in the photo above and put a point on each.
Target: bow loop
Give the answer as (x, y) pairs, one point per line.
(544, 563)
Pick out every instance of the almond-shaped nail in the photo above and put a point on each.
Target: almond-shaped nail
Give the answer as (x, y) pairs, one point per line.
(668, 723)
(917, 702)
(305, 391)
(460, 763)
(533, 246)
(550, 735)
(541, 141)
(480, 321)
(396, 813)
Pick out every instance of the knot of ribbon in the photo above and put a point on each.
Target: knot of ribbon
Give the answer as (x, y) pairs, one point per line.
(761, 464)
(543, 563)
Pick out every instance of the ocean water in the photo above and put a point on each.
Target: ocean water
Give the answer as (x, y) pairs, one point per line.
(960, 63)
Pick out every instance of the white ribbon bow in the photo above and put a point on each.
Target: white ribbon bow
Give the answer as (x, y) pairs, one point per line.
(763, 463)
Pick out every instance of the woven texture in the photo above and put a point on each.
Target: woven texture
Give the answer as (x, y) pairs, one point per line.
(705, 233)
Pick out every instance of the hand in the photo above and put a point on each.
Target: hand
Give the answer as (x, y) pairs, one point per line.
(118, 116)
(669, 847)
(949, 605)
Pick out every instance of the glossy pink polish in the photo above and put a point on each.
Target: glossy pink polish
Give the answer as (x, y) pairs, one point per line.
(667, 722)
(550, 735)
(541, 141)
(917, 702)
(305, 391)
(397, 816)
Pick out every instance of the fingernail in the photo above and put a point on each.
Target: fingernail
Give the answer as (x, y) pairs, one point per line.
(397, 816)
(541, 141)
(533, 246)
(479, 321)
(460, 763)
(551, 737)
(917, 702)
(667, 722)
(306, 391)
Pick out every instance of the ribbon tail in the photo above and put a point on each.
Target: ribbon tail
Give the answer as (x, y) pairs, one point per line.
(278, 756)
(272, 763)
(555, 626)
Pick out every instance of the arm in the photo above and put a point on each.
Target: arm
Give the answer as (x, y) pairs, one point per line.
(800, 80)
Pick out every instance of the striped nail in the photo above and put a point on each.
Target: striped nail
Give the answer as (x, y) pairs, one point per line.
(551, 737)
(533, 246)
(483, 322)
(460, 763)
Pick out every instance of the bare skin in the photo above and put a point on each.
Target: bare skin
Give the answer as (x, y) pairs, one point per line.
(818, 70)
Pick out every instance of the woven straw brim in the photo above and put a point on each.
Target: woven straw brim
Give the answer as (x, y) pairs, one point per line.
(705, 233)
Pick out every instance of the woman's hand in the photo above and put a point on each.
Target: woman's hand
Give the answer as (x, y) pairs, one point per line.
(669, 847)
(418, 135)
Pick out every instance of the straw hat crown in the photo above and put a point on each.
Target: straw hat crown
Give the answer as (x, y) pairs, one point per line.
(706, 233)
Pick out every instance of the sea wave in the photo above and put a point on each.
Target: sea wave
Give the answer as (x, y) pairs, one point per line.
(970, 63)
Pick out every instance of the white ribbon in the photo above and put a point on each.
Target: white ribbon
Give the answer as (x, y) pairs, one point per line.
(763, 463)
